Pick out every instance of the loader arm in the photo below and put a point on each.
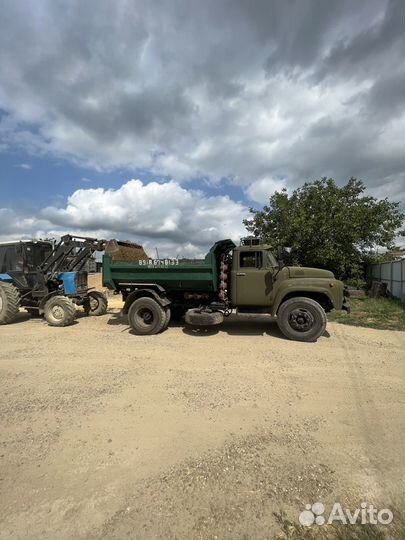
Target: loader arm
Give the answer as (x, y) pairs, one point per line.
(71, 254)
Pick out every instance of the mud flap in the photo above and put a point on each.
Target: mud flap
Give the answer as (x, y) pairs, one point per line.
(347, 307)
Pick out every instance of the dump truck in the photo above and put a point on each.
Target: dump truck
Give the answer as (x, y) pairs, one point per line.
(240, 279)
(48, 278)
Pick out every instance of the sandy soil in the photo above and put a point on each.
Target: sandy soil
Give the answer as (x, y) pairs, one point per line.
(192, 435)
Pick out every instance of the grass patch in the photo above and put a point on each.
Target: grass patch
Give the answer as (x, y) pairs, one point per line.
(381, 313)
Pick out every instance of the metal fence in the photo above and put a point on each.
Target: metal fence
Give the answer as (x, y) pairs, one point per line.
(391, 273)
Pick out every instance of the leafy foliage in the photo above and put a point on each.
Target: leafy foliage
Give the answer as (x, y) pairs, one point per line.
(328, 226)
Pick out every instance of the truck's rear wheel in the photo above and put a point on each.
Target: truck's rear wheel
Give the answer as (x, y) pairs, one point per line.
(9, 303)
(301, 319)
(198, 317)
(59, 311)
(96, 303)
(146, 316)
(168, 314)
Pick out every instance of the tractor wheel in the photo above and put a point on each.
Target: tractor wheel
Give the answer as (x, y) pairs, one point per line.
(59, 311)
(146, 316)
(9, 303)
(301, 319)
(97, 304)
(197, 317)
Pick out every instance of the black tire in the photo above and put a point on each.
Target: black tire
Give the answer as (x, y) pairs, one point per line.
(9, 303)
(146, 317)
(301, 319)
(168, 314)
(96, 304)
(196, 317)
(59, 311)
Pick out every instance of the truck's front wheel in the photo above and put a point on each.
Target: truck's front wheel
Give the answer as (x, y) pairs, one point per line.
(146, 316)
(301, 319)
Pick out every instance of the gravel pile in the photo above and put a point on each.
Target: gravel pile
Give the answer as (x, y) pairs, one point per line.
(125, 251)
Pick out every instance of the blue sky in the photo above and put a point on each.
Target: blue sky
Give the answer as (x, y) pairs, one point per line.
(32, 182)
(211, 106)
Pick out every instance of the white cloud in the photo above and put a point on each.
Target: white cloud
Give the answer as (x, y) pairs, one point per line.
(14, 226)
(163, 215)
(263, 189)
(155, 210)
(296, 90)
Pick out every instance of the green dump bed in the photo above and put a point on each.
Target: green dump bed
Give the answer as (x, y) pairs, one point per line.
(199, 275)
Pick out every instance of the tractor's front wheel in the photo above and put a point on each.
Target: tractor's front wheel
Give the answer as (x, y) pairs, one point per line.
(96, 304)
(59, 311)
(9, 303)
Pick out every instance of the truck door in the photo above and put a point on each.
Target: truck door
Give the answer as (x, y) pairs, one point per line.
(251, 278)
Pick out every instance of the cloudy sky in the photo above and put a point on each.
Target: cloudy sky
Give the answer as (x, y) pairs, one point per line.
(165, 121)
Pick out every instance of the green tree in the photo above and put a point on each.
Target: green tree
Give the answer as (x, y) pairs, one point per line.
(328, 226)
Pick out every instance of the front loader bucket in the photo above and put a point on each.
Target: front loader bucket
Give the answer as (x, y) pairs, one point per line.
(125, 251)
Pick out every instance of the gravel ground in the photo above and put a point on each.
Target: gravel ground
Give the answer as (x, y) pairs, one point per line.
(190, 435)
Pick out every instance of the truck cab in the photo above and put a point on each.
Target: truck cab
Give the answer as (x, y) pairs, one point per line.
(252, 274)
(299, 297)
(259, 280)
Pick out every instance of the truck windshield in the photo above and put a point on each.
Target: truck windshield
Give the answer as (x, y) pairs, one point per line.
(271, 260)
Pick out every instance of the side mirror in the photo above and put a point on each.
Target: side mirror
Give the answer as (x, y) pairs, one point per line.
(282, 253)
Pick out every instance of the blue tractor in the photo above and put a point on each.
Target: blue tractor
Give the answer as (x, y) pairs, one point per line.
(48, 279)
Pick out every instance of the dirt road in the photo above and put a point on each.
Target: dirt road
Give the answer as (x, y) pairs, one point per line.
(189, 435)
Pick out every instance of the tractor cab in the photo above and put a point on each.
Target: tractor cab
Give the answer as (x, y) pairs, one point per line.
(19, 261)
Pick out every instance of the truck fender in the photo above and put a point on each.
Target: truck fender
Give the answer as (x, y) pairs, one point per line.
(138, 293)
(299, 291)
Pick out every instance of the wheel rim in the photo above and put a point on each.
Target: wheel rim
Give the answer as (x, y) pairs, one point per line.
(301, 320)
(57, 312)
(146, 316)
(94, 303)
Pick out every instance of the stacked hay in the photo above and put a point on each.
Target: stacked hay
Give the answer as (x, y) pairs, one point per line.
(125, 251)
